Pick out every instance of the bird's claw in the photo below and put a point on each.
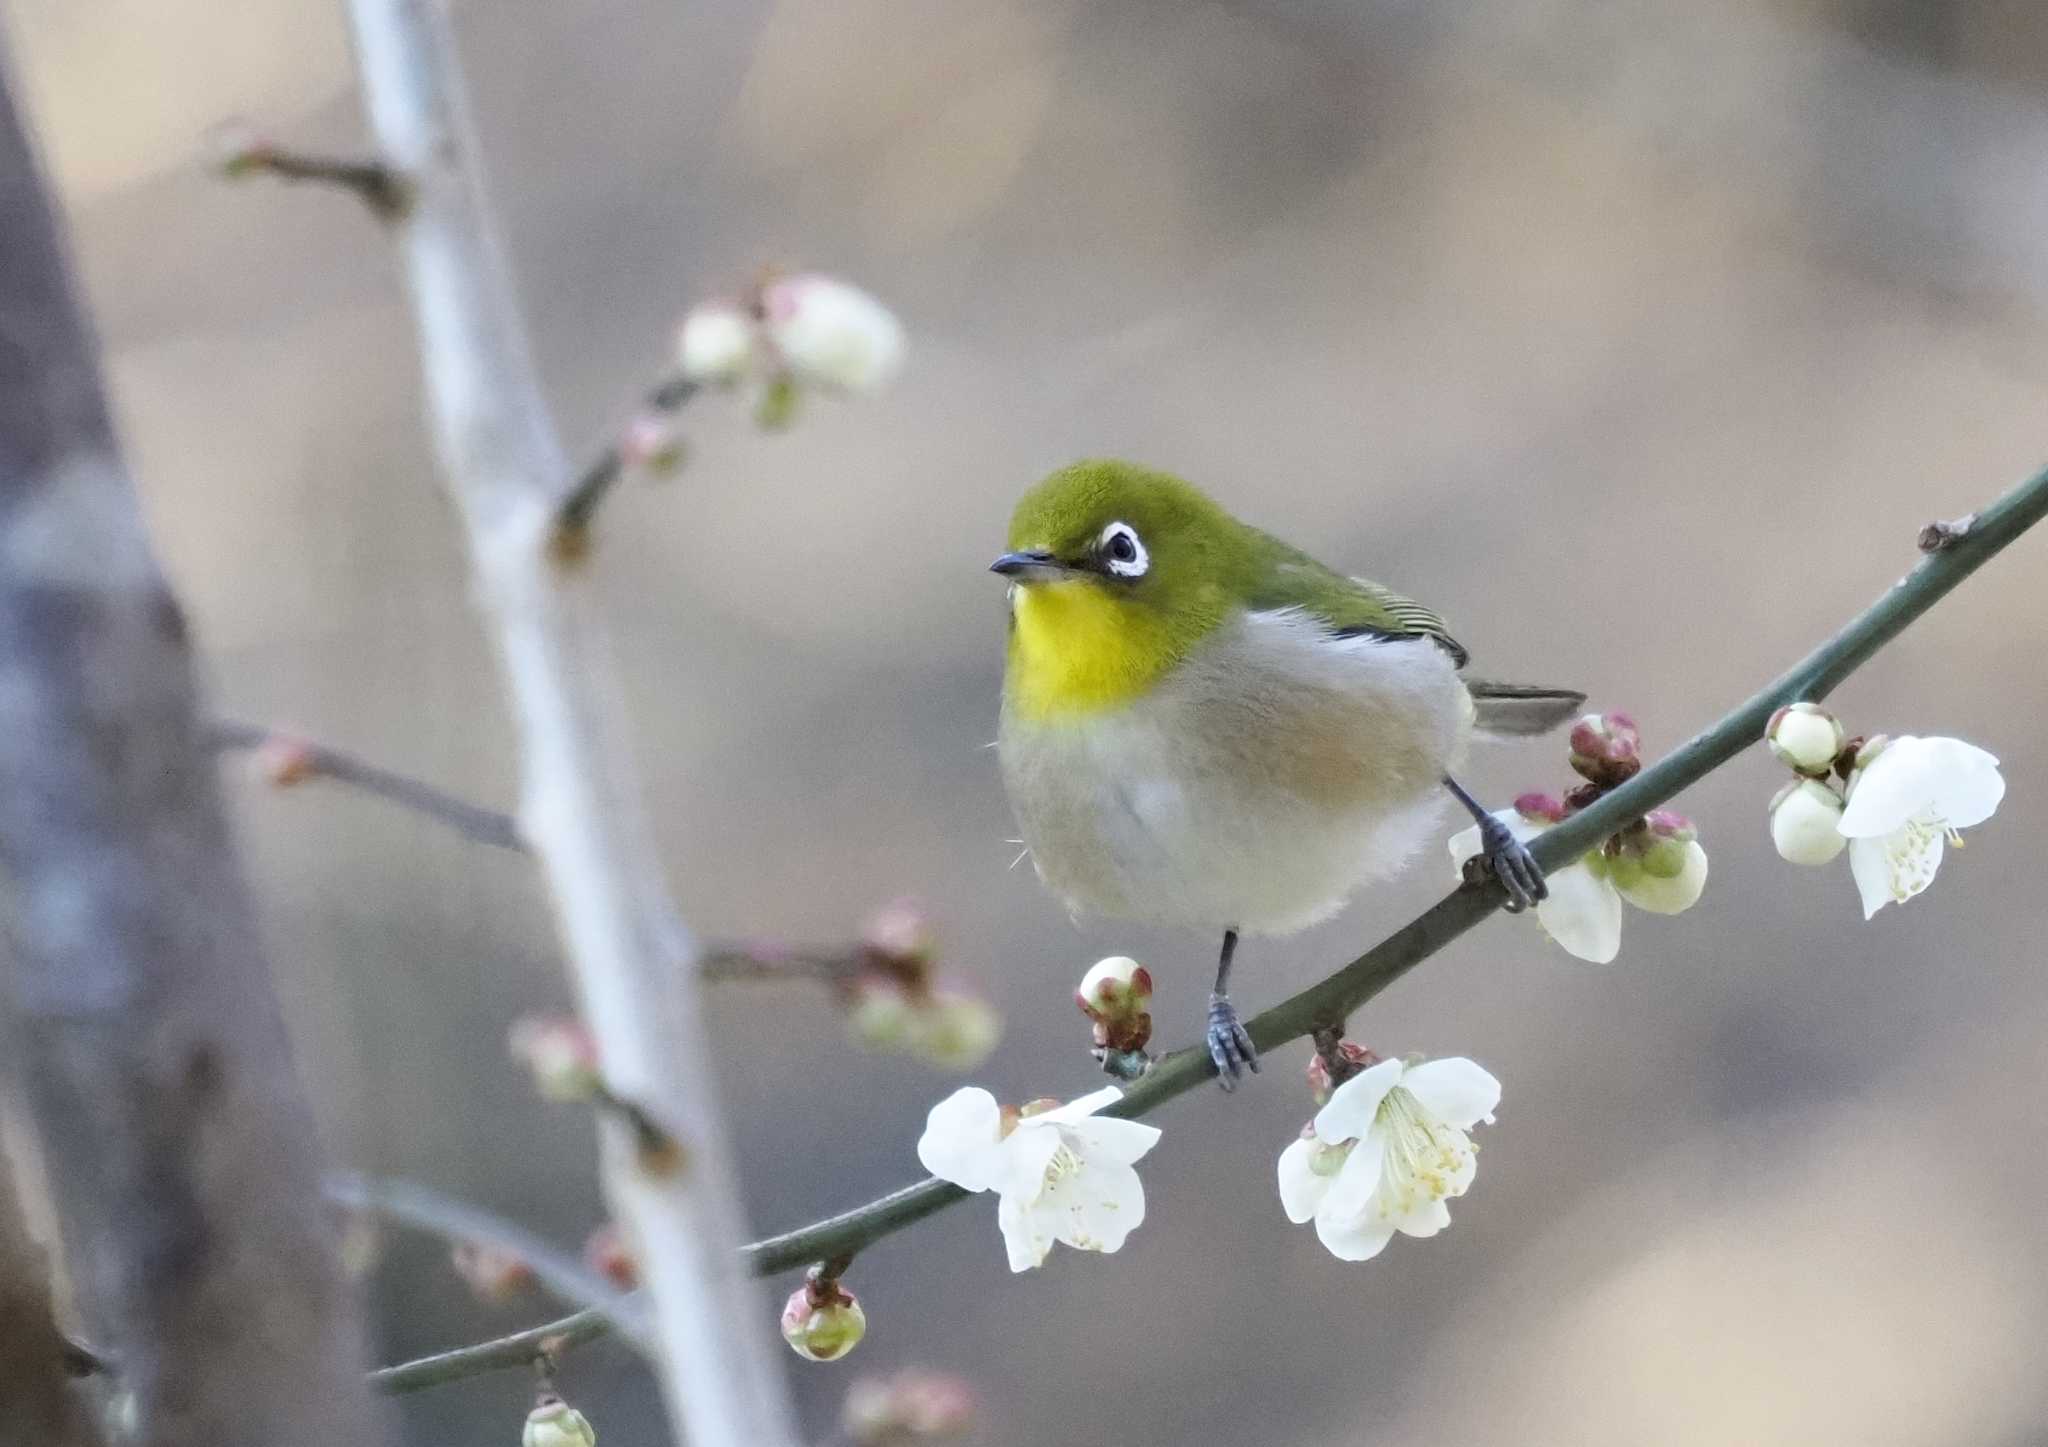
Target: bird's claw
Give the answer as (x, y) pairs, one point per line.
(1510, 862)
(1230, 1044)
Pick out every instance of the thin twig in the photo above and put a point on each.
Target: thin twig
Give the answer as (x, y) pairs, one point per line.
(376, 185)
(1324, 1006)
(759, 963)
(521, 1349)
(320, 761)
(426, 1209)
(572, 519)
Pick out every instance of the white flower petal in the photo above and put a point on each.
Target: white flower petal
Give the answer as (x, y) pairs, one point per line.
(962, 1140)
(1025, 1235)
(1674, 895)
(1082, 1106)
(1355, 1184)
(1888, 791)
(1456, 1091)
(1359, 1239)
(1027, 1156)
(1096, 1208)
(1582, 913)
(1111, 1142)
(1893, 869)
(1349, 1113)
(1425, 1220)
(1971, 786)
(1302, 1188)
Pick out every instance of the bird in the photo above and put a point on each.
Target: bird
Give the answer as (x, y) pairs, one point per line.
(1204, 727)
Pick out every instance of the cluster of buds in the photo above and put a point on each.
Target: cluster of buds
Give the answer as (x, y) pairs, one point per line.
(1656, 862)
(895, 1003)
(912, 1406)
(822, 1321)
(554, 1423)
(1115, 995)
(789, 332)
(491, 1272)
(605, 1252)
(1806, 813)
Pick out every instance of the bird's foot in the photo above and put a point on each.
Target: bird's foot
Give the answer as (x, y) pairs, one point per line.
(1230, 1044)
(1510, 862)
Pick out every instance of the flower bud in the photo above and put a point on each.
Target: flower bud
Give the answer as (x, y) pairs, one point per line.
(881, 1017)
(561, 1053)
(237, 150)
(1114, 994)
(653, 442)
(901, 934)
(1676, 889)
(1538, 808)
(822, 1321)
(282, 761)
(1351, 1058)
(554, 1423)
(1805, 737)
(1804, 820)
(605, 1251)
(954, 1031)
(716, 343)
(912, 1406)
(491, 1272)
(1605, 748)
(831, 334)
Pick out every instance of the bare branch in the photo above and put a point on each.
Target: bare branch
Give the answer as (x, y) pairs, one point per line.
(572, 522)
(179, 1148)
(376, 185)
(542, 1343)
(304, 759)
(583, 807)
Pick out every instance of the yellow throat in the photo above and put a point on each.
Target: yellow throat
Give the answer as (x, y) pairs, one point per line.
(1074, 650)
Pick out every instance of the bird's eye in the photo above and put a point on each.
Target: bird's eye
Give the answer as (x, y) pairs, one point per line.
(1122, 552)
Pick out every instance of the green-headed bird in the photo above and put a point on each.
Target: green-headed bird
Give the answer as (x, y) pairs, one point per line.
(1203, 726)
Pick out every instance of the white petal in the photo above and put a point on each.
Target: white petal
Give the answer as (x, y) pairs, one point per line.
(1677, 894)
(1027, 1154)
(1352, 1190)
(1301, 1188)
(1902, 781)
(962, 1140)
(1025, 1237)
(1111, 1142)
(1893, 869)
(1971, 785)
(1082, 1105)
(1426, 1220)
(1096, 1208)
(1583, 913)
(1360, 1239)
(1455, 1091)
(1352, 1106)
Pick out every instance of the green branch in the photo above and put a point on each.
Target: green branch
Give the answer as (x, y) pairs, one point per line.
(1954, 551)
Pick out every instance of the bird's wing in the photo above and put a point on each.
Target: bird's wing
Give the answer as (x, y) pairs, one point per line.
(1352, 607)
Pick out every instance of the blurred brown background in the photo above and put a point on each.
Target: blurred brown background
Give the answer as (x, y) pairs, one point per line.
(1638, 339)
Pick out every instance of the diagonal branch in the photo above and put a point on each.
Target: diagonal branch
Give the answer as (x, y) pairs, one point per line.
(1961, 550)
(572, 522)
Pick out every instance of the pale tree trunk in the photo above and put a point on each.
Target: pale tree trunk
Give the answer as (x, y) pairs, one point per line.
(582, 804)
(179, 1147)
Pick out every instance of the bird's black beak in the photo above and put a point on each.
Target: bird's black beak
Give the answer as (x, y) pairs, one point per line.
(1029, 566)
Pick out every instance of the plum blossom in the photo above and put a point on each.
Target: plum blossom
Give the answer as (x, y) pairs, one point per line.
(1060, 1173)
(1385, 1154)
(1908, 797)
(1583, 909)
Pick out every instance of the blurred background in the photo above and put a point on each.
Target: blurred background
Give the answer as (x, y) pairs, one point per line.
(1639, 340)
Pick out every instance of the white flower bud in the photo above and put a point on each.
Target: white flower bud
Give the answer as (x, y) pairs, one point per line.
(554, 1423)
(1805, 737)
(1671, 893)
(1805, 820)
(832, 334)
(716, 343)
(955, 1031)
(822, 1321)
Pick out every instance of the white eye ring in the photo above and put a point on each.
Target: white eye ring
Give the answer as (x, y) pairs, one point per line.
(1121, 551)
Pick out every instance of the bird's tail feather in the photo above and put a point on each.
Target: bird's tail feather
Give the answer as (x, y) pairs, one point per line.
(1516, 710)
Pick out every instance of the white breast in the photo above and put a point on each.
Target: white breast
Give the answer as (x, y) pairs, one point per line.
(1274, 771)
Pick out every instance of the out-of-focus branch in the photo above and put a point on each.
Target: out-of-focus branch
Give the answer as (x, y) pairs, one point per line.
(582, 803)
(426, 1209)
(36, 1362)
(572, 522)
(298, 758)
(179, 1149)
(376, 185)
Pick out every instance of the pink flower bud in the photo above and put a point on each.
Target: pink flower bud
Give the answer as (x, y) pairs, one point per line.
(1540, 808)
(1351, 1058)
(901, 934)
(912, 1406)
(822, 1321)
(561, 1053)
(491, 1272)
(1605, 748)
(653, 442)
(282, 761)
(605, 1252)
